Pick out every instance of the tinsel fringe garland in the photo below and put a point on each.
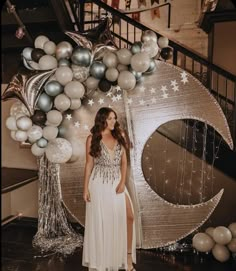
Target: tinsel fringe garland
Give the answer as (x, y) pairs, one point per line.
(55, 233)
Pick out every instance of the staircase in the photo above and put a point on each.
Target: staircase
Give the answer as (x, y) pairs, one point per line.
(125, 31)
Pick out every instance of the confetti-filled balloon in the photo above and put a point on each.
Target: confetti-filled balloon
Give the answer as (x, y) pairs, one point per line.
(59, 150)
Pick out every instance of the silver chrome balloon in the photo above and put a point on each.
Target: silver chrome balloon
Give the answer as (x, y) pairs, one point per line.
(97, 69)
(81, 56)
(64, 50)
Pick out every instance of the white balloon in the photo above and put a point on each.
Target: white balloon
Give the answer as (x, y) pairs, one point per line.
(232, 245)
(39, 41)
(163, 42)
(54, 117)
(62, 102)
(126, 80)
(232, 228)
(110, 60)
(221, 253)
(49, 47)
(74, 90)
(59, 150)
(21, 136)
(11, 123)
(13, 135)
(19, 115)
(124, 56)
(27, 53)
(24, 123)
(151, 48)
(50, 132)
(47, 62)
(91, 83)
(140, 62)
(36, 150)
(209, 231)
(64, 75)
(75, 104)
(34, 133)
(222, 235)
(112, 74)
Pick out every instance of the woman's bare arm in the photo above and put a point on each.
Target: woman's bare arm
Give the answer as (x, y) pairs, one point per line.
(88, 168)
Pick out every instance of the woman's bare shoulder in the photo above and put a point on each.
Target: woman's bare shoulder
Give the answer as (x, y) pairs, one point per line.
(89, 138)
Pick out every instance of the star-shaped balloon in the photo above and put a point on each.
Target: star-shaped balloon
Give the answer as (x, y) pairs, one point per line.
(26, 86)
(99, 34)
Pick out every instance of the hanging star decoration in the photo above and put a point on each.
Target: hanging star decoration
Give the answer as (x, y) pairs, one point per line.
(155, 13)
(99, 34)
(155, 1)
(142, 3)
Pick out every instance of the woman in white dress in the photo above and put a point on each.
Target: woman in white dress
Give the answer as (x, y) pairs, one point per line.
(109, 239)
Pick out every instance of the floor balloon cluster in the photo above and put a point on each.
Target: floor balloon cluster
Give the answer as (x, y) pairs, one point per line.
(221, 241)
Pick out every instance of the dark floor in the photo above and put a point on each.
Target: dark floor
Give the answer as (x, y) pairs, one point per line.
(18, 255)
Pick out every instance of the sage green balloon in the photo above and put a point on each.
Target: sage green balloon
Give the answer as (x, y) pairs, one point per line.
(53, 88)
(44, 102)
(42, 142)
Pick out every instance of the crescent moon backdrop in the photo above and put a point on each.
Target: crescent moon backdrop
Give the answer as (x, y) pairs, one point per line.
(165, 95)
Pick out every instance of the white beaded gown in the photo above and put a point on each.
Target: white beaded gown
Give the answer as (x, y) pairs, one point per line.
(105, 237)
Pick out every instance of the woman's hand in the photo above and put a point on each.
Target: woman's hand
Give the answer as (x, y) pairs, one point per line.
(120, 188)
(86, 195)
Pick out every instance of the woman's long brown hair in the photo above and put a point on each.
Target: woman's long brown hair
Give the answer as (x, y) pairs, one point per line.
(99, 126)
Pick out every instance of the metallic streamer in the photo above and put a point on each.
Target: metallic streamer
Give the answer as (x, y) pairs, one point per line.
(54, 230)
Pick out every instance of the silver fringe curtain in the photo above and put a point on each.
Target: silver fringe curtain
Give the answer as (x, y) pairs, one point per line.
(55, 233)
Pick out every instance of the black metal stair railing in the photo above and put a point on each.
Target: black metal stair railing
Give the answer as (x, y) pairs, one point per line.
(125, 31)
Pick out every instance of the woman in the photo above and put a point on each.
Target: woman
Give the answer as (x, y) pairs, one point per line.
(109, 239)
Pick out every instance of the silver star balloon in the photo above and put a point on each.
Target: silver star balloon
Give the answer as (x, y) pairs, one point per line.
(27, 87)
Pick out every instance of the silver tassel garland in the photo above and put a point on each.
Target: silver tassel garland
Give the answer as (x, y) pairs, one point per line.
(54, 234)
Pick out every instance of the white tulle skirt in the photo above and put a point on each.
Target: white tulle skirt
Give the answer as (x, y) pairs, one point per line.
(105, 238)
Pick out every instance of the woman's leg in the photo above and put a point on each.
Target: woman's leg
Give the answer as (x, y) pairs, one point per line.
(130, 221)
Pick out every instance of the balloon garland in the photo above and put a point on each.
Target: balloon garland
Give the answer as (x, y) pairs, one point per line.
(58, 76)
(221, 241)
